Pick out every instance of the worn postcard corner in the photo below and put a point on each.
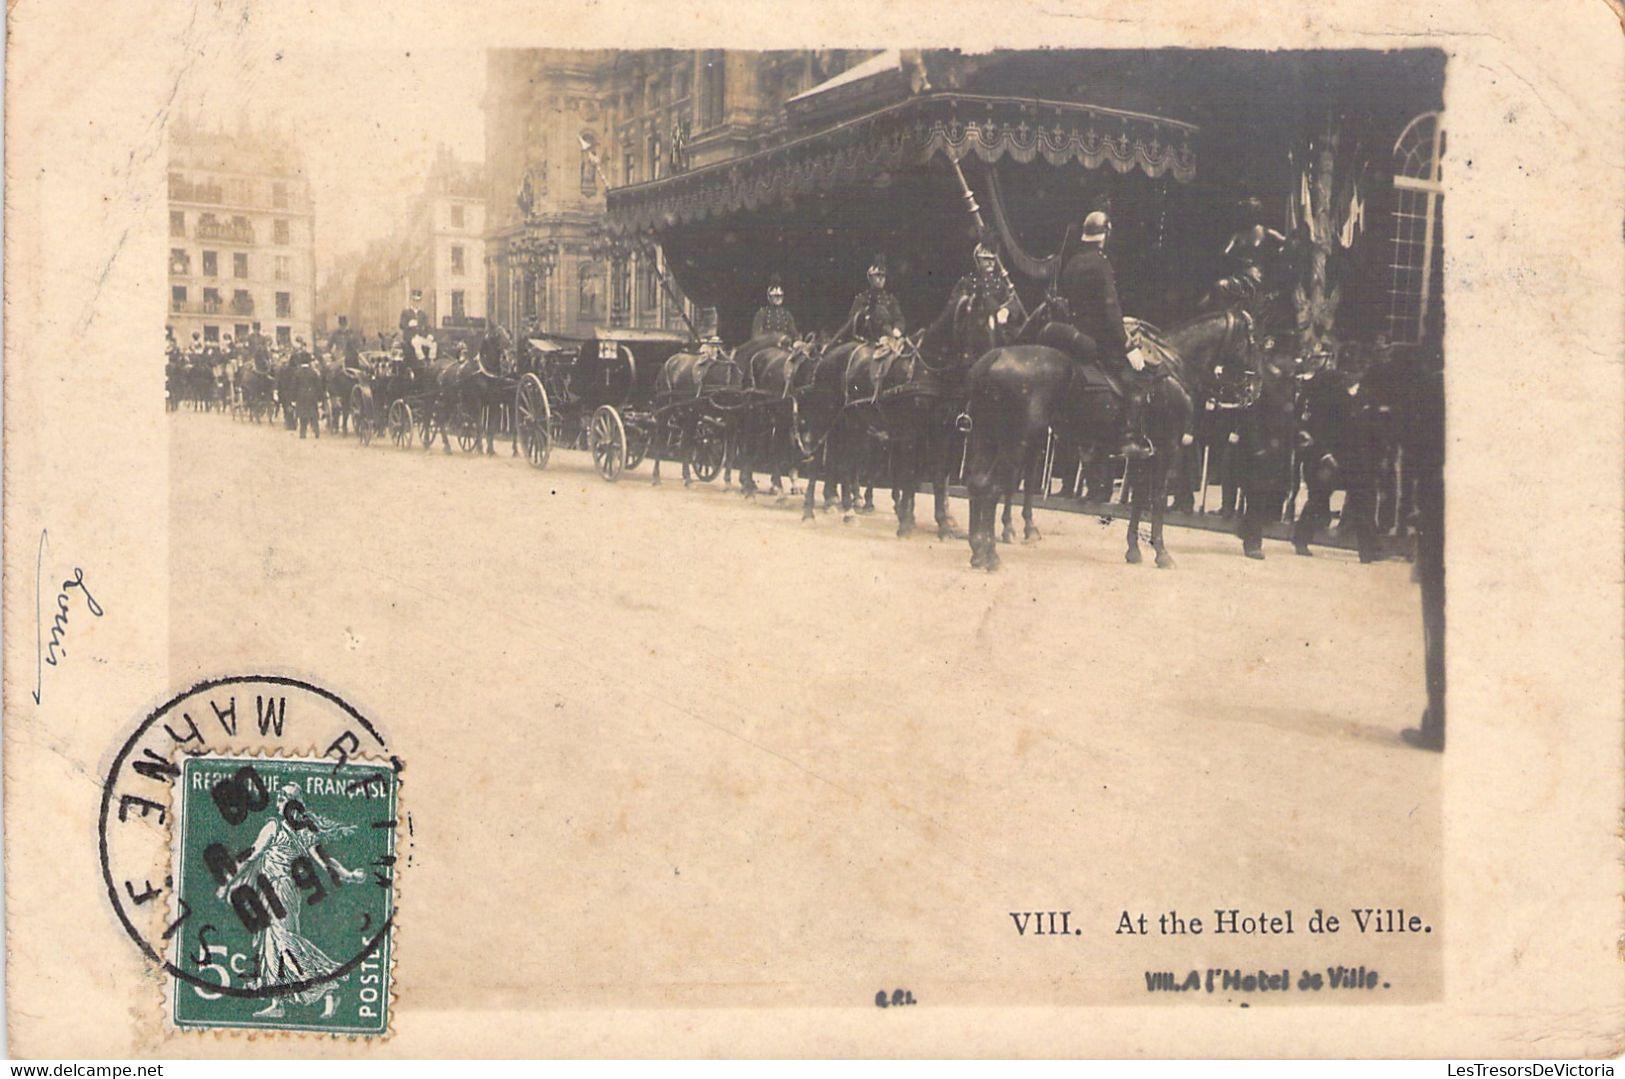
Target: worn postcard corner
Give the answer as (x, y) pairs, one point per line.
(956, 539)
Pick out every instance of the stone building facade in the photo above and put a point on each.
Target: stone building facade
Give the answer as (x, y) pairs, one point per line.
(564, 126)
(241, 236)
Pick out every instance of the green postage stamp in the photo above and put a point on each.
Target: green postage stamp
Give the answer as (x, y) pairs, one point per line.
(284, 871)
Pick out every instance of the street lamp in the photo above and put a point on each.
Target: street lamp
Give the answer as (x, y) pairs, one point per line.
(538, 256)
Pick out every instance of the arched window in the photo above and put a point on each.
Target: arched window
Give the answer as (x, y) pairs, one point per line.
(1417, 264)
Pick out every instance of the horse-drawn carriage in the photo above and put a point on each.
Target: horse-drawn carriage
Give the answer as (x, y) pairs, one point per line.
(595, 393)
(379, 401)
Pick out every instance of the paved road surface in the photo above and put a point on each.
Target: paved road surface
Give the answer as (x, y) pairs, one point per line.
(664, 744)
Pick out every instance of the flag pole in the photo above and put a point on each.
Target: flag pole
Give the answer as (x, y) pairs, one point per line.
(644, 245)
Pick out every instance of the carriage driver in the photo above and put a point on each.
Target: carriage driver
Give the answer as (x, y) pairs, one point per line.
(1090, 290)
(414, 324)
(875, 313)
(773, 317)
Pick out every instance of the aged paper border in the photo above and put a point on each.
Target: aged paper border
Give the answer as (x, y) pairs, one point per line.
(1533, 776)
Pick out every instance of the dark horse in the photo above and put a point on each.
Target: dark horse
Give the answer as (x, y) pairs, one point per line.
(1018, 393)
(683, 390)
(468, 396)
(925, 417)
(768, 436)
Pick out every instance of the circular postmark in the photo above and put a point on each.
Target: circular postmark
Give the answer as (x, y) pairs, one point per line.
(248, 845)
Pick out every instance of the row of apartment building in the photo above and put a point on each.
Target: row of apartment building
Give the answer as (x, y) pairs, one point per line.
(241, 236)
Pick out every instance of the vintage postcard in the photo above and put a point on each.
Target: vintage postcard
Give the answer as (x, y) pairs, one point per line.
(924, 529)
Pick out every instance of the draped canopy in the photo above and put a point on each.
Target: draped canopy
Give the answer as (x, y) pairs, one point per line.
(908, 134)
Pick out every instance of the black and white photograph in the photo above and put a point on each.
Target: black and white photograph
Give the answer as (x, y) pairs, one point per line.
(751, 530)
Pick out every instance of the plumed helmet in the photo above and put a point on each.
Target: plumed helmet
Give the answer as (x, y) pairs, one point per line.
(983, 252)
(877, 265)
(1096, 227)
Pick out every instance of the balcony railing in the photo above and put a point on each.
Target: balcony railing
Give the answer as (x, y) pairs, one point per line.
(242, 307)
(183, 191)
(225, 230)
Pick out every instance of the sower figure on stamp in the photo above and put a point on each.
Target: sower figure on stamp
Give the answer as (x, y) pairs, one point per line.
(291, 840)
(773, 317)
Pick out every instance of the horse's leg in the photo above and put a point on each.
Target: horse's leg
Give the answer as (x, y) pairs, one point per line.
(1030, 483)
(905, 476)
(1133, 480)
(659, 440)
(1007, 531)
(979, 484)
(1158, 496)
(684, 438)
(752, 441)
(809, 469)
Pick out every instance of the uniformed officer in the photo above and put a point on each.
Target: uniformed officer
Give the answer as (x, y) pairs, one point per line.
(991, 285)
(307, 388)
(875, 312)
(773, 317)
(413, 324)
(1089, 289)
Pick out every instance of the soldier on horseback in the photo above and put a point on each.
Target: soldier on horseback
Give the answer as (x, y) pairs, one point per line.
(875, 313)
(773, 317)
(1088, 289)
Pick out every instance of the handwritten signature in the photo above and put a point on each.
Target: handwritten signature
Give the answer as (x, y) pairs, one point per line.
(51, 651)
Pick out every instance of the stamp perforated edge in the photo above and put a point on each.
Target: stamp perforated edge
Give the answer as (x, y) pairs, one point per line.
(168, 984)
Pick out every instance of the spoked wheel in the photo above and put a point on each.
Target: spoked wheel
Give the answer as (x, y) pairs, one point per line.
(533, 421)
(608, 438)
(361, 416)
(638, 438)
(706, 452)
(468, 429)
(426, 424)
(400, 424)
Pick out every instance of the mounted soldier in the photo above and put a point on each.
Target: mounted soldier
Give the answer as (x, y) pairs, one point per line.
(875, 314)
(773, 317)
(1088, 294)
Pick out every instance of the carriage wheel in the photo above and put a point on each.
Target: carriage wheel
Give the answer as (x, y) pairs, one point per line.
(468, 429)
(426, 424)
(638, 438)
(400, 424)
(533, 420)
(361, 416)
(706, 451)
(608, 437)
